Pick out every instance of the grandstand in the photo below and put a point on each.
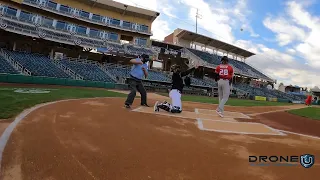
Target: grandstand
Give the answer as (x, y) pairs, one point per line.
(94, 41)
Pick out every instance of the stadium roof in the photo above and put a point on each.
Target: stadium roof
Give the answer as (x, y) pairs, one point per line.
(187, 35)
(123, 8)
(165, 45)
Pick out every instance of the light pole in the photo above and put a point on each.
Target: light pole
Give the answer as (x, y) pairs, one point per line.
(197, 16)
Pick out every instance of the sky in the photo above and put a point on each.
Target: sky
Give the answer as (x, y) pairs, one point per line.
(284, 34)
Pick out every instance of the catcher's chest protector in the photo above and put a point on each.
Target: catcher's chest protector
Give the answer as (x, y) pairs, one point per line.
(187, 81)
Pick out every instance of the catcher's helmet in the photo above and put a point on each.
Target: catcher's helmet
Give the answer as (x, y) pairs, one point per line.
(174, 67)
(224, 59)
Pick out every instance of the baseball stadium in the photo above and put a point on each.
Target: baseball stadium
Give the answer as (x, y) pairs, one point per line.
(64, 69)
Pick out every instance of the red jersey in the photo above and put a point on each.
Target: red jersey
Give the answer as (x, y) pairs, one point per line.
(309, 98)
(225, 71)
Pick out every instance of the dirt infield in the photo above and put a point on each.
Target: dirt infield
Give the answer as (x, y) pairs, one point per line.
(289, 122)
(99, 139)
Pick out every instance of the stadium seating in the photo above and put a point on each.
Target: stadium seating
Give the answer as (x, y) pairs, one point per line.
(207, 82)
(5, 67)
(124, 71)
(210, 58)
(89, 71)
(39, 65)
(272, 93)
(244, 68)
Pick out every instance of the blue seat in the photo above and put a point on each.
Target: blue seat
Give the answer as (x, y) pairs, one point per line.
(89, 71)
(5, 67)
(38, 65)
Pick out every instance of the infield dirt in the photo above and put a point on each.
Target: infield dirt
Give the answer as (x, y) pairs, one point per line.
(99, 139)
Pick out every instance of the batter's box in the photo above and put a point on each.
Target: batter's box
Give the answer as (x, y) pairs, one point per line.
(227, 114)
(237, 127)
(183, 114)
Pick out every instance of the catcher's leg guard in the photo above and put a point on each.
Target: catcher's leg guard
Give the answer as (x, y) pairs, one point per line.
(165, 106)
(176, 109)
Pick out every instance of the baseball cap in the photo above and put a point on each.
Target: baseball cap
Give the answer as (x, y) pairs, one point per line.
(145, 57)
(224, 58)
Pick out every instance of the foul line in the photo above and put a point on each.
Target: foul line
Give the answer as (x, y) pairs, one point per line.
(8, 131)
(281, 110)
(196, 110)
(304, 135)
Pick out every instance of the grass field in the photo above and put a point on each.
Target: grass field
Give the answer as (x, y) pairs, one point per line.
(309, 112)
(231, 102)
(12, 103)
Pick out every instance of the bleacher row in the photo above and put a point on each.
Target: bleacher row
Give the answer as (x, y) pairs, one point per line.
(242, 67)
(40, 65)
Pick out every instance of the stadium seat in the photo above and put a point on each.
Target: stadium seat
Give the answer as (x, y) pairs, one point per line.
(89, 71)
(124, 71)
(5, 67)
(38, 64)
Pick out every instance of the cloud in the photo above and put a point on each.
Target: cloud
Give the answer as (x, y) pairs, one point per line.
(300, 27)
(281, 66)
(286, 31)
(291, 51)
(160, 29)
(295, 29)
(213, 19)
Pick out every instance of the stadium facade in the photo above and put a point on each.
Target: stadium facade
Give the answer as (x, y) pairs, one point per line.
(94, 40)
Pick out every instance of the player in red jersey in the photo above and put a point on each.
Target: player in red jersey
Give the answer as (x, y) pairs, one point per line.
(308, 100)
(225, 72)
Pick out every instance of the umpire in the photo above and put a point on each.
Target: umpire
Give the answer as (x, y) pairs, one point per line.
(138, 70)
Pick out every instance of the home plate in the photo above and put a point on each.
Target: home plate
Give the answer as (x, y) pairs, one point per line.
(183, 114)
(237, 127)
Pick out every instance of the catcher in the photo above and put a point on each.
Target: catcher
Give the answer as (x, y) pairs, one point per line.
(176, 90)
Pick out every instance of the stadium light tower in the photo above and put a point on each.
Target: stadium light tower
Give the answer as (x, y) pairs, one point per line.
(198, 16)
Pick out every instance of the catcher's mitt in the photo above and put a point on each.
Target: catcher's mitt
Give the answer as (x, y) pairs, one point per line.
(187, 81)
(216, 77)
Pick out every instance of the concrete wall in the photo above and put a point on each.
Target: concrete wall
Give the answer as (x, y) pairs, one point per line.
(169, 39)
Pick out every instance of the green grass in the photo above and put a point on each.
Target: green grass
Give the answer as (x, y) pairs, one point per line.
(12, 103)
(231, 102)
(309, 112)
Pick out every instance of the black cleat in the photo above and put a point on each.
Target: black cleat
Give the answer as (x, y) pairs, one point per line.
(146, 105)
(127, 106)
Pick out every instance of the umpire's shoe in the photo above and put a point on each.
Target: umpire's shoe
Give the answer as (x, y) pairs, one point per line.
(146, 105)
(127, 106)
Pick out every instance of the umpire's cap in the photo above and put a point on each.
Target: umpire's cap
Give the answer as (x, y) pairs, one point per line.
(224, 58)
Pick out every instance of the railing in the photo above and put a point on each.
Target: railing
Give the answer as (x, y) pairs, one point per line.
(198, 60)
(69, 14)
(13, 25)
(17, 66)
(102, 67)
(67, 70)
(249, 64)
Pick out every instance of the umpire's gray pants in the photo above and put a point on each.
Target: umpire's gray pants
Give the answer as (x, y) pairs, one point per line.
(136, 85)
(224, 92)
